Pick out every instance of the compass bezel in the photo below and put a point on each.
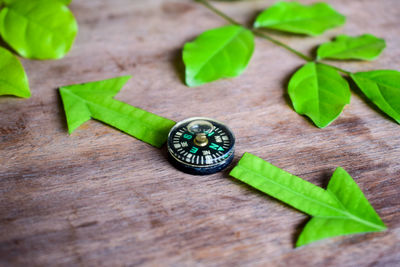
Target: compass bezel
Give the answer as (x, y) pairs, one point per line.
(219, 163)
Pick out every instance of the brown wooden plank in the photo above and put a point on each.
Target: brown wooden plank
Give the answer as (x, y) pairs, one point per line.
(100, 197)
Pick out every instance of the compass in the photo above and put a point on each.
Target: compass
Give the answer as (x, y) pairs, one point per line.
(200, 145)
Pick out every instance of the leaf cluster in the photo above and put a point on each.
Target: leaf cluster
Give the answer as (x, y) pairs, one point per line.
(317, 90)
(33, 29)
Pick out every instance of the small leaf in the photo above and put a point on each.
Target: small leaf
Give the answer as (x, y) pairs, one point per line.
(319, 92)
(340, 210)
(218, 53)
(13, 79)
(382, 87)
(364, 47)
(297, 18)
(95, 100)
(38, 29)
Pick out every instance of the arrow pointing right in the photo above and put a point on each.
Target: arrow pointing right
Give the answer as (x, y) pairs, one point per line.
(341, 209)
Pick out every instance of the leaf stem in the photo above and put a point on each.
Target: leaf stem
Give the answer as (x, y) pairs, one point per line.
(218, 12)
(336, 68)
(265, 36)
(277, 42)
(255, 31)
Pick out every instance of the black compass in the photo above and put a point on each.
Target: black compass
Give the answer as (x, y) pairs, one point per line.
(200, 145)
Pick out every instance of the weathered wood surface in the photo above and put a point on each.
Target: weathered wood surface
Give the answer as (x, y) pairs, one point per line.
(100, 197)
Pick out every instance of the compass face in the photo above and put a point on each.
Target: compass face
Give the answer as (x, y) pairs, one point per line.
(201, 145)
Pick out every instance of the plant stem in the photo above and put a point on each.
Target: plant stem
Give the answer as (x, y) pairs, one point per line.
(265, 36)
(218, 12)
(336, 68)
(255, 31)
(277, 42)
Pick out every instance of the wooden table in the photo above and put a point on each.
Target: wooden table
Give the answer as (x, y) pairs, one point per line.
(102, 198)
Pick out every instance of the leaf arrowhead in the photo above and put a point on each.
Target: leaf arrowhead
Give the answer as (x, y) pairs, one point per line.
(95, 100)
(340, 210)
(75, 103)
(360, 216)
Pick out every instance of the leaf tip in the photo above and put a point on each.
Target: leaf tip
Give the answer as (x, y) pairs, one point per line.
(320, 124)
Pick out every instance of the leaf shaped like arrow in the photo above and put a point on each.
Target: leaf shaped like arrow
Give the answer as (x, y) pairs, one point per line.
(218, 53)
(340, 210)
(319, 92)
(95, 100)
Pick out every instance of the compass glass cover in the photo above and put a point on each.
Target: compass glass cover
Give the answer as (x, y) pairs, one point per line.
(201, 145)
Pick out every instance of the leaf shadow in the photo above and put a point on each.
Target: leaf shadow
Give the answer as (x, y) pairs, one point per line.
(285, 83)
(163, 152)
(177, 64)
(313, 51)
(61, 114)
(357, 91)
(298, 229)
(252, 17)
(324, 179)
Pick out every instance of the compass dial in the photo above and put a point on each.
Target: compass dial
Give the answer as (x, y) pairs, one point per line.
(200, 145)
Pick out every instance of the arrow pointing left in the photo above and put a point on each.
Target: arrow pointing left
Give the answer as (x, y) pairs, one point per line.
(95, 100)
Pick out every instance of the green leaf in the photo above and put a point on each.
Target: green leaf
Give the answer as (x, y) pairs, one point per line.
(38, 29)
(65, 2)
(13, 79)
(382, 87)
(340, 210)
(95, 100)
(7, 1)
(365, 47)
(319, 92)
(297, 18)
(218, 53)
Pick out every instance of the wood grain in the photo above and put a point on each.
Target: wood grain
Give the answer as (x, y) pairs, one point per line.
(102, 198)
